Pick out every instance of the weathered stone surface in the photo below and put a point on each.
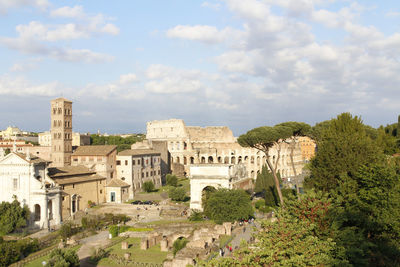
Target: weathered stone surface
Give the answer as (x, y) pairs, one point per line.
(127, 255)
(196, 244)
(164, 245)
(144, 244)
(228, 228)
(124, 245)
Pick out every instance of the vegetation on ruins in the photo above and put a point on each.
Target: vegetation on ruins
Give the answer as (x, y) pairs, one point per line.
(13, 251)
(12, 216)
(177, 193)
(179, 244)
(263, 139)
(122, 143)
(171, 180)
(228, 205)
(148, 186)
(63, 258)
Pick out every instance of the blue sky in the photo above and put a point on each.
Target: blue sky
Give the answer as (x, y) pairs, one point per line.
(240, 63)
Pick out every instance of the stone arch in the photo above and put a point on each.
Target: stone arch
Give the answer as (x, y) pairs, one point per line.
(252, 160)
(239, 159)
(74, 203)
(233, 160)
(191, 160)
(203, 160)
(258, 160)
(252, 174)
(210, 159)
(246, 158)
(226, 160)
(219, 159)
(37, 210)
(205, 193)
(184, 160)
(178, 160)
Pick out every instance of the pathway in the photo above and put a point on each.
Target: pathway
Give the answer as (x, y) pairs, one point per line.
(88, 243)
(242, 233)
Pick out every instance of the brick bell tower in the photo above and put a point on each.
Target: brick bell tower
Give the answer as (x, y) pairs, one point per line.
(61, 132)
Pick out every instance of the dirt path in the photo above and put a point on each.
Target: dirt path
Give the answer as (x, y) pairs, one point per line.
(88, 244)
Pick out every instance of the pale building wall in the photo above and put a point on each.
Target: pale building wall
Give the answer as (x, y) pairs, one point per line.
(78, 139)
(121, 194)
(45, 139)
(103, 165)
(10, 132)
(25, 181)
(137, 169)
(308, 147)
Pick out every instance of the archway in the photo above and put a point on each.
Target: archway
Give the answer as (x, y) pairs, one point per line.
(233, 160)
(210, 159)
(252, 160)
(184, 161)
(219, 159)
(203, 160)
(239, 159)
(226, 160)
(74, 204)
(177, 160)
(50, 209)
(37, 212)
(191, 160)
(246, 158)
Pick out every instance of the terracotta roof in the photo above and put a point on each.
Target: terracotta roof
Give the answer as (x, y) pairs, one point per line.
(69, 171)
(33, 159)
(117, 183)
(94, 150)
(78, 179)
(135, 152)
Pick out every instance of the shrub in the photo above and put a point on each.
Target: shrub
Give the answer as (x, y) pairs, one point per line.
(62, 257)
(98, 254)
(271, 197)
(67, 230)
(177, 194)
(179, 244)
(148, 186)
(114, 230)
(196, 216)
(171, 180)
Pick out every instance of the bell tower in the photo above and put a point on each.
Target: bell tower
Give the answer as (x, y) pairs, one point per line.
(61, 132)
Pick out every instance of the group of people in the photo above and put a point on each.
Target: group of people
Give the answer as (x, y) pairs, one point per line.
(222, 251)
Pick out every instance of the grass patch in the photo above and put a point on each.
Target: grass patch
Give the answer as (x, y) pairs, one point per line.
(38, 261)
(152, 255)
(224, 239)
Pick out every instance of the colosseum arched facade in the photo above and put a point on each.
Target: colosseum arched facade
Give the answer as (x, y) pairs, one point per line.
(195, 145)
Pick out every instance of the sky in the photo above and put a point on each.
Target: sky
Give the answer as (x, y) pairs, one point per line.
(236, 63)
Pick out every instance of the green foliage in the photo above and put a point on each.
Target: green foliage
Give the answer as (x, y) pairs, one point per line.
(120, 142)
(67, 230)
(265, 180)
(12, 251)
(343, 147)
(171, 180)
(179, 244)
(7, 151)
(196, 216)
(264, 137)
(110, 218)
(148, 186)
(271, 197)
(63, 258)
(90, 223)
(298, 128)
(226, 205)
(113, 230)
(98, 254)
(177, 193)
(12, 216)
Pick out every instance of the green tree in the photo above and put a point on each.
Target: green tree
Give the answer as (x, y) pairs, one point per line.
(265, 180)
(179, 244)
(298, 129)
(344, 147)
(13, 216)
(228, 205)
(148, 186)
(63, 258)
(67, 229)
(263, 139)
(177, 194)
(171, 180)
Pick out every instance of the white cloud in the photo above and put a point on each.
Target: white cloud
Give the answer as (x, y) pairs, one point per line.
(168, 80)
(19, 86)
(203, 33)
(393, 14)
(68, 12)
(5, 5)
(215, 6)
(128, 78)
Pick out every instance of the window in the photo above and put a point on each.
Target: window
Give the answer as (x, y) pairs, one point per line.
(75, 159)
(73, 185)
(133, 162)
(63, 198)
(91, 159)
(62, 187)
(100, 181)
(15, 183)
(123, 178)
(111, 175)
(118, 162)
(147, 161)
(147, 174)
(138, 161)
(126, 162)
(142, 174)
(159, 172)
(101, 191)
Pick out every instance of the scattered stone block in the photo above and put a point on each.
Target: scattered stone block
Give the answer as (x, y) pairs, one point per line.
(144, 244)
(228, 228)
(124, 245)
(127, 256)
(164, 245)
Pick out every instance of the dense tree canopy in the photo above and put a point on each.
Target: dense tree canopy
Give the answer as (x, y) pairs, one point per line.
(121, 142)
(63, 258)
(228, 205)
(343, 149)
(12, 216)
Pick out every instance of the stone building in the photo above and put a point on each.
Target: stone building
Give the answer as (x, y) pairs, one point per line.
(78, 139)
(308, 147)
(99, 158)
(10, 132)
(25, 177)
(138, 166)
(117, 191)
(79, 185)
(61, 132)
(192, 145)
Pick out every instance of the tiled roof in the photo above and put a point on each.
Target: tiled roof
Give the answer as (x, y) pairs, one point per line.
(78, 179)
(135, 152)
(117, 183)
(94, 150)
(33, 159)
(69, 171)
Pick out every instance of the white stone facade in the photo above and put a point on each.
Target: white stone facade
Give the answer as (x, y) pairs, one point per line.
(213, 175)
(26, 178)
(194, 145)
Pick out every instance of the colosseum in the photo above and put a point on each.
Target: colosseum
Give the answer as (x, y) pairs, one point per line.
(189, 145)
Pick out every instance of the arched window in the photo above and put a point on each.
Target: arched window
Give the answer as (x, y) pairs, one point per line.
(233, 160)
(191, 160)
(203, 160)
(210, 159)
(37, 212)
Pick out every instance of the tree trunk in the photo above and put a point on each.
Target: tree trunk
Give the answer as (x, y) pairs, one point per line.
(292, 147)
(278, 188)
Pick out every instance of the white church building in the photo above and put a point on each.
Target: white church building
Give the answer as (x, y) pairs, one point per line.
(24, 176)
